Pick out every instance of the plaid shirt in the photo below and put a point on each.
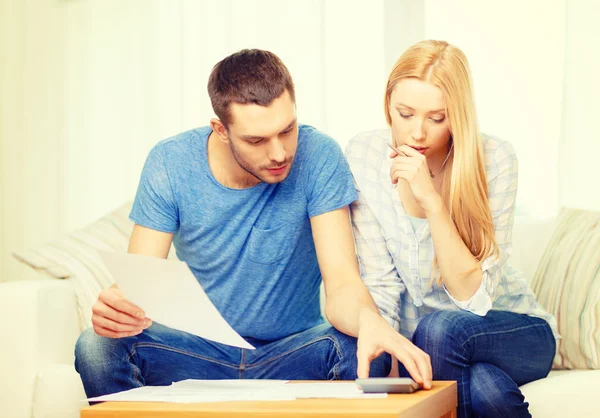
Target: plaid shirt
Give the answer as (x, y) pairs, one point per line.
(396, 259)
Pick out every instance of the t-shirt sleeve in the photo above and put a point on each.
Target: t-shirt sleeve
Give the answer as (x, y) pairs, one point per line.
(329, 184)
(154, 206)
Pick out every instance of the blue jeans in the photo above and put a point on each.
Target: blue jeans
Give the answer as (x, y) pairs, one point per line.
(489, 357)
(161, 355)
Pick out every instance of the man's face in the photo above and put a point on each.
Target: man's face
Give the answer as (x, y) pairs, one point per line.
(263, 140)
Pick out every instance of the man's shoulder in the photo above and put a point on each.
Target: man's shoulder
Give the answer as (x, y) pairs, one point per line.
(182, 143)
(313, 143)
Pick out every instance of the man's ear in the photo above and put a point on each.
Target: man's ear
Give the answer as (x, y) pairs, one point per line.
(218, 127)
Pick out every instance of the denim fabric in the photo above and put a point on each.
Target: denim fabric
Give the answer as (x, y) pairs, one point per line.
(161, 355)
(489, 356)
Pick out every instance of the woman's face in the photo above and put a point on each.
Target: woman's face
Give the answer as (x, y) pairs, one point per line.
(419, 119)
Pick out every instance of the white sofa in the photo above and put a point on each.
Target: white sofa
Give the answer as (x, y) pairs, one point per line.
(39, 327)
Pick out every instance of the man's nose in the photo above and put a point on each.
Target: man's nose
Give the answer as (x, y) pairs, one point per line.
(277, 151)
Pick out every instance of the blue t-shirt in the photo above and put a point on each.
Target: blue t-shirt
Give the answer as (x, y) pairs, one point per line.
(251, 249)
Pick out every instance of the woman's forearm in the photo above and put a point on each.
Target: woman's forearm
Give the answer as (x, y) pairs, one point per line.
(453, 256)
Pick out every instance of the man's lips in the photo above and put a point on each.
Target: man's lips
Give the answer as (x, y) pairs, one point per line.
(277, 170)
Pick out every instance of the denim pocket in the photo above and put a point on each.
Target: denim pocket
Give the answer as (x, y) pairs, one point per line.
(273, 245)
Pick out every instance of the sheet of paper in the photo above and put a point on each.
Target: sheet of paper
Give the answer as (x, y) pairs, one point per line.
(226, 384)
(193, 391)
(328, 390)
(169, 293)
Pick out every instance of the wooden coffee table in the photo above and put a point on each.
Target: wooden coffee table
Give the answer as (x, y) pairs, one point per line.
(440, 401)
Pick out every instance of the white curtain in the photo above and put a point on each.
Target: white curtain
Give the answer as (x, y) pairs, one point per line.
(89, 86)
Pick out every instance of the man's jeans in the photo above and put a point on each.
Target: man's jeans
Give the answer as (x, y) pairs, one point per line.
(161, 355)
(489, 356)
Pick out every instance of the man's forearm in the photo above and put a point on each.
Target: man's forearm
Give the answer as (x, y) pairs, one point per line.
(347, 305)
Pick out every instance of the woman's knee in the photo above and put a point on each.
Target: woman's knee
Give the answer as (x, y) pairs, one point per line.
(440, 329)
(494, 394)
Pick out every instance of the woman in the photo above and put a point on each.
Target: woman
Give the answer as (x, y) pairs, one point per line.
(433, 227)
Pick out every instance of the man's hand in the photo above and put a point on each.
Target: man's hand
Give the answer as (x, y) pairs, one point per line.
(376, 336)
(113, 315)
(116, 317)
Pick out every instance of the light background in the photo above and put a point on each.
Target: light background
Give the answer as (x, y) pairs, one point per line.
(88, 86)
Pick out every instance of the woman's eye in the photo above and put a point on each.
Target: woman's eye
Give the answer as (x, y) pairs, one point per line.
(405, 115)
(437, 120)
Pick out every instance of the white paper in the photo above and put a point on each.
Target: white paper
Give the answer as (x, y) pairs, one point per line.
(169, 294)
(328, 390)
(193, 391)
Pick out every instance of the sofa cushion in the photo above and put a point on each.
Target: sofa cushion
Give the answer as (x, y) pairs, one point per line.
(75, 256)
(567, 284)
(571, 394)
(529, 239)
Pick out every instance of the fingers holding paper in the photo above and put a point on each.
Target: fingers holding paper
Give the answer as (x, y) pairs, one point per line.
(116, 317)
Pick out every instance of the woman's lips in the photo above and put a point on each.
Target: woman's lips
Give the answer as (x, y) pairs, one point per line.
(420, 149)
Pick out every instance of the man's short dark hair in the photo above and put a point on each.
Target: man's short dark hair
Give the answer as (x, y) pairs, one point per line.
(248, 76)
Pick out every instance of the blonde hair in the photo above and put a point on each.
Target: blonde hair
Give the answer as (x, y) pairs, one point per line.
(465, 191)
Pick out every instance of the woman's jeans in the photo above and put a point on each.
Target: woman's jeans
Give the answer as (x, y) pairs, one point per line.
(489, 356)
(160, 355)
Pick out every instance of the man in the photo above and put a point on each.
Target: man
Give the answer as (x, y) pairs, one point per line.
(251, 203)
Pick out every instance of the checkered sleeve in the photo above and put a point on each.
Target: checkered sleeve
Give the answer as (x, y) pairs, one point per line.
(377, 267)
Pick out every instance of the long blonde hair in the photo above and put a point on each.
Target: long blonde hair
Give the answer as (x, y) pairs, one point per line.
(465, 191)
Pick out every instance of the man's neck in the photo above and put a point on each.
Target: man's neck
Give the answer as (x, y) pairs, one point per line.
(224, 166)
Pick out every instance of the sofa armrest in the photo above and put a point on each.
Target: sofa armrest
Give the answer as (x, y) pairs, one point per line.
(39, 326)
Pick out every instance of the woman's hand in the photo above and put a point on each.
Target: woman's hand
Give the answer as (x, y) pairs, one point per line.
(412, 166)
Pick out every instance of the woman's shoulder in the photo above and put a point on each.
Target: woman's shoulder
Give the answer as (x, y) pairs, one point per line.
(368, 148)
(497, 149)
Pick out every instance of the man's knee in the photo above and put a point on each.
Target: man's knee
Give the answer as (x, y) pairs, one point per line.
(92, 350)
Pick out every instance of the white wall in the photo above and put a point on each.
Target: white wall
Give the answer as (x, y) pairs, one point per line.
(89, 86)
(579, 168)
(32, 120)
(516, 52)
